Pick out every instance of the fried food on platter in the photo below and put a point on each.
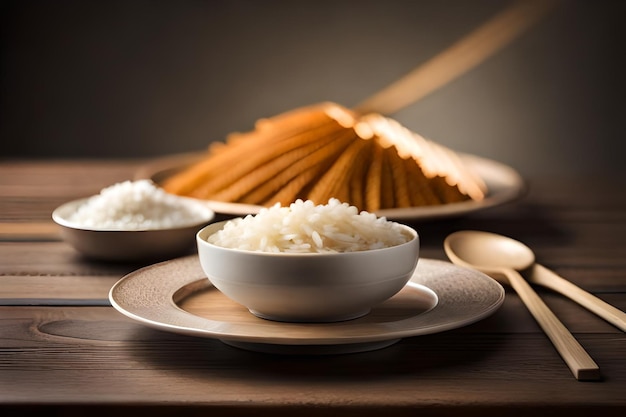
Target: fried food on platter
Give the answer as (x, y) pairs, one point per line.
(326, 151)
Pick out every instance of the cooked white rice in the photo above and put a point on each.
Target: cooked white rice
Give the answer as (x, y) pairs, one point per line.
(136, 205)
(304, 227)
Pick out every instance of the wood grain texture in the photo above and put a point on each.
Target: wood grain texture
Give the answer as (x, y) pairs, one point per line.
(62, 359)
(29, 231)
(110, 355)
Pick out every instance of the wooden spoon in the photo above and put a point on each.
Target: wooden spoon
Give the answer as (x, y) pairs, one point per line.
(501, 258)
(540, 275)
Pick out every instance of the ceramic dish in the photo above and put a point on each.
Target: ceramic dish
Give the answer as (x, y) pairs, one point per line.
(128, 245)
(503, 182)
(289, 286)
(176, 296)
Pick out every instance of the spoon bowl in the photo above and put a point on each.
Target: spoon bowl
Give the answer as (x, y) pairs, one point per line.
(483, 250)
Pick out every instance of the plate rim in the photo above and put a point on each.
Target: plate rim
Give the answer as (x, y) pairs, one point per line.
(504, 185)
(184, 322)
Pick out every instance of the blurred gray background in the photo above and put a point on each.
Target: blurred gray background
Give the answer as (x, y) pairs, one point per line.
(149, 78)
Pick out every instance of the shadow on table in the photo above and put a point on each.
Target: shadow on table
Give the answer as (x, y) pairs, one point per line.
(464, 349)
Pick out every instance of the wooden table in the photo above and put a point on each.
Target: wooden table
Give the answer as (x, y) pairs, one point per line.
(65, 350)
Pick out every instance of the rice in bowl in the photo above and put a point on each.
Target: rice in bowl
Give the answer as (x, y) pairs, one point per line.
(138, 205)
(308, 263)
(303, 227)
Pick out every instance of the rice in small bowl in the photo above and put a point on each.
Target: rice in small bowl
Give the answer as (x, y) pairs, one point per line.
(132, 221)
(307, 262)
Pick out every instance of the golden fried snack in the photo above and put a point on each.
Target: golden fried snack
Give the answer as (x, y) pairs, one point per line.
(399, 179)
(331, 182)
(314, 163)
(260, 167)
(223, 156)
(251, 162)
(327, 151)
(291, 191)
(356, 185)
(374, 181)
(421, 194)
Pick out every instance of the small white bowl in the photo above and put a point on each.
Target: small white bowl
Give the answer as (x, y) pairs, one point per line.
(309, 287)
(129, 245)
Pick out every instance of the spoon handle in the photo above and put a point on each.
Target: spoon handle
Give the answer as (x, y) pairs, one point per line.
(577, 359)
(459, 58)
(541, 275)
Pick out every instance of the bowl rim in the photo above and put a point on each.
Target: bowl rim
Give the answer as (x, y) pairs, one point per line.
(60, 213)
(202, 240)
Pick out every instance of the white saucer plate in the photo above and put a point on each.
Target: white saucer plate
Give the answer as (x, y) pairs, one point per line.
(176, 296)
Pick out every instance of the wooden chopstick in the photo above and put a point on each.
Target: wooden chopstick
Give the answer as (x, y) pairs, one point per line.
(541, 275)
(462, 56)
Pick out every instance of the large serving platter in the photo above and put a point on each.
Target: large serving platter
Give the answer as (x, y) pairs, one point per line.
(504, 185)
(176, 296)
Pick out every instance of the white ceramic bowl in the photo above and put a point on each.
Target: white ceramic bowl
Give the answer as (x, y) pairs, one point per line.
(129, 245)
(310, 287)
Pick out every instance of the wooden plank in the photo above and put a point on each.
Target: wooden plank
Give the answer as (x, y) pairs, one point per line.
(201, 409)
(85, 355)
(54, 258)
(31, 190)
(599, 274)
(93, 290)
(59, 174)
(41, 231)
(73, 287)
(74, 358)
